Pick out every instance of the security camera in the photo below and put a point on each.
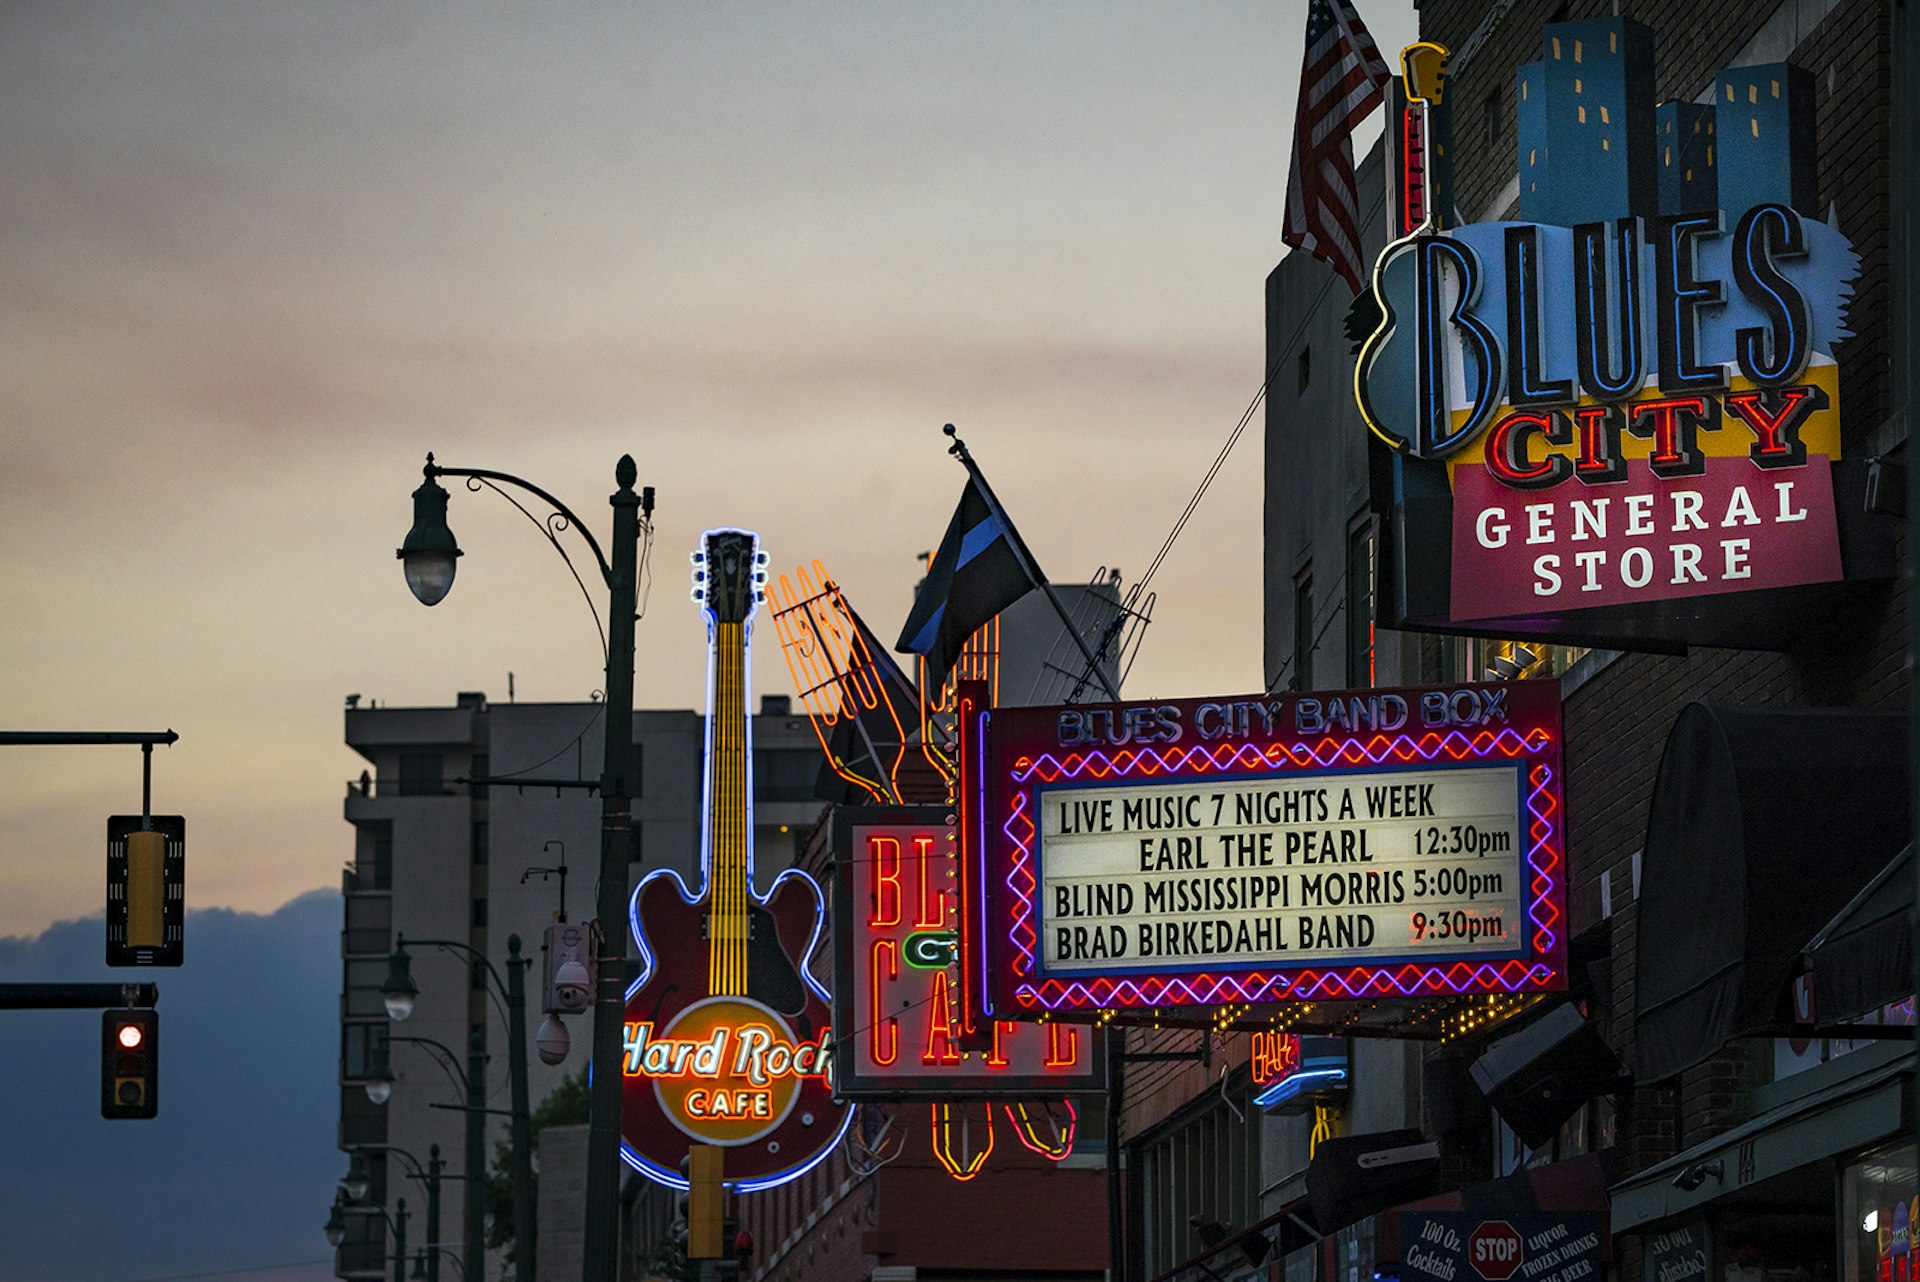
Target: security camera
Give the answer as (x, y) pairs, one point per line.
(552, 1041)
(1696, 1175)
(572, 987)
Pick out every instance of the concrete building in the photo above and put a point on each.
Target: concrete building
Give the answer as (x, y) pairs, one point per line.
(438, 858)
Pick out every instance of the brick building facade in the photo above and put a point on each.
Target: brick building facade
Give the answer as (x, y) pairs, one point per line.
(1779, 1214)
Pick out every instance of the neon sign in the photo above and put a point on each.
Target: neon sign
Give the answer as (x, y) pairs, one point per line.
(897, 981)
(1631, 395)
(728, 1037)
(1292, 1070)
(1205, 853)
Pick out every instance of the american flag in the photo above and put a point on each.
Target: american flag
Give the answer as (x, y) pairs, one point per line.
(1342, 80)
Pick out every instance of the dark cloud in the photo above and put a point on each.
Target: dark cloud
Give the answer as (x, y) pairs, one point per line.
(238, 1170)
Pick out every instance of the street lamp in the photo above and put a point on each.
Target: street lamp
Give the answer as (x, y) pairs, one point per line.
(399, 986)
(428, 555)
(379, 1086)
(337, 1231)
(358, 1177)
(358, 1180)
(399, 992)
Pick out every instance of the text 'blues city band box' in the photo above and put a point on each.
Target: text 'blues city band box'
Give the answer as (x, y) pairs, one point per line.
(1238, 852)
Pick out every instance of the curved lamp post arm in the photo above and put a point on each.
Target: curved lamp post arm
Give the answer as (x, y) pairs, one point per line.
(449, 1252)
(414, 1166)
(566, 513)
(475, 955)
(450, 1062)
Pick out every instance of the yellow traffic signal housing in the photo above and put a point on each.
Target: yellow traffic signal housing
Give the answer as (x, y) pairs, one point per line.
(706, 1202)
(146, 890)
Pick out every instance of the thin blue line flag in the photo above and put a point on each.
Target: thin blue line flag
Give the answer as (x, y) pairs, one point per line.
(979, 571)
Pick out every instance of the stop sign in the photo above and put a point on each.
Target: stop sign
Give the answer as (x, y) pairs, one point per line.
(1493, 1250)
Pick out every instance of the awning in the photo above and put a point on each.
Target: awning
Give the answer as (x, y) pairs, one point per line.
(1862, 960)
(1764, 823)
(1749, 1163)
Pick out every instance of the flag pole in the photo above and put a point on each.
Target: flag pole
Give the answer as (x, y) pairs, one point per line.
(959, 450)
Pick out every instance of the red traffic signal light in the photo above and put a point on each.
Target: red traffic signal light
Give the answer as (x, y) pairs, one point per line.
(129, 1064)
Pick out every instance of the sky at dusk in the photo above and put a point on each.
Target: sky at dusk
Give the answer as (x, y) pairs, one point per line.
(256, 260)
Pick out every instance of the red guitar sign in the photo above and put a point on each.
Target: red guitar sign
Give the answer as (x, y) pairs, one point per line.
(728, 1037)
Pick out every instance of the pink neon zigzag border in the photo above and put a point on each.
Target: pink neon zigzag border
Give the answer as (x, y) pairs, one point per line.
(1406, 979)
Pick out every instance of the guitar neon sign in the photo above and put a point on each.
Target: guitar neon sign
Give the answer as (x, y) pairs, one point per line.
(728, 1037)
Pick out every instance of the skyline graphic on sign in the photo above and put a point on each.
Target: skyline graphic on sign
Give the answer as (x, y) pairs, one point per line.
(1629, 394)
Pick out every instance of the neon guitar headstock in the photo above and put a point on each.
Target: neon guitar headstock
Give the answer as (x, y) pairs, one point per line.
(1423, 70)
(729, 574)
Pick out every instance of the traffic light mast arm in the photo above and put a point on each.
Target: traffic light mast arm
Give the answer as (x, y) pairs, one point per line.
(77, 996)
(91, 738)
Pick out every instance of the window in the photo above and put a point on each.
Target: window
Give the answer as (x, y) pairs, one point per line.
(420, 774)
(1303, 371)
(1876, 1192)
(369, 924)
(361, 1120)
(478, 840)
(1206, 1169)
(1302, 630)
(482, 767)
(1490, 120)
(373, 856)
(479, 912)
(785, 774)
(1360, 589)
(359, 1047)
(635, 850)
(361, 992)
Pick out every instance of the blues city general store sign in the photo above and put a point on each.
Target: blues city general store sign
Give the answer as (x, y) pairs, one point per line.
(1629, 396)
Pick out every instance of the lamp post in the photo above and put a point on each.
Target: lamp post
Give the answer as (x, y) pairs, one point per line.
(400, 994)
(337, 1232)
(428, 556)
(358, 1182)
(472, 1083)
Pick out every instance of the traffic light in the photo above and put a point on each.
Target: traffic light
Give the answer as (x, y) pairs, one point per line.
(146, 890)
(129, 1064)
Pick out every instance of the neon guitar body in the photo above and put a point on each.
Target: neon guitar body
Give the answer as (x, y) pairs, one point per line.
(728, 1039)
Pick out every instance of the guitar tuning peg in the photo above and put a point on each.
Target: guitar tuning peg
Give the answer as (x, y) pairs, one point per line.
(697, 556)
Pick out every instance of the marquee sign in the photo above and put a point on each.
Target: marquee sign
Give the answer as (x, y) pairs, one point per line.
(1217, 852)
(895, 977)
(1629, 397)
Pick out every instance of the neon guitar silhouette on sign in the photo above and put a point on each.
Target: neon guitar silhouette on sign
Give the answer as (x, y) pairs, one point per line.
(728, 1038)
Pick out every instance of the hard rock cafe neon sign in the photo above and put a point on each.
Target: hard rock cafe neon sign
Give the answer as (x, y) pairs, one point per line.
(728, 1035)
